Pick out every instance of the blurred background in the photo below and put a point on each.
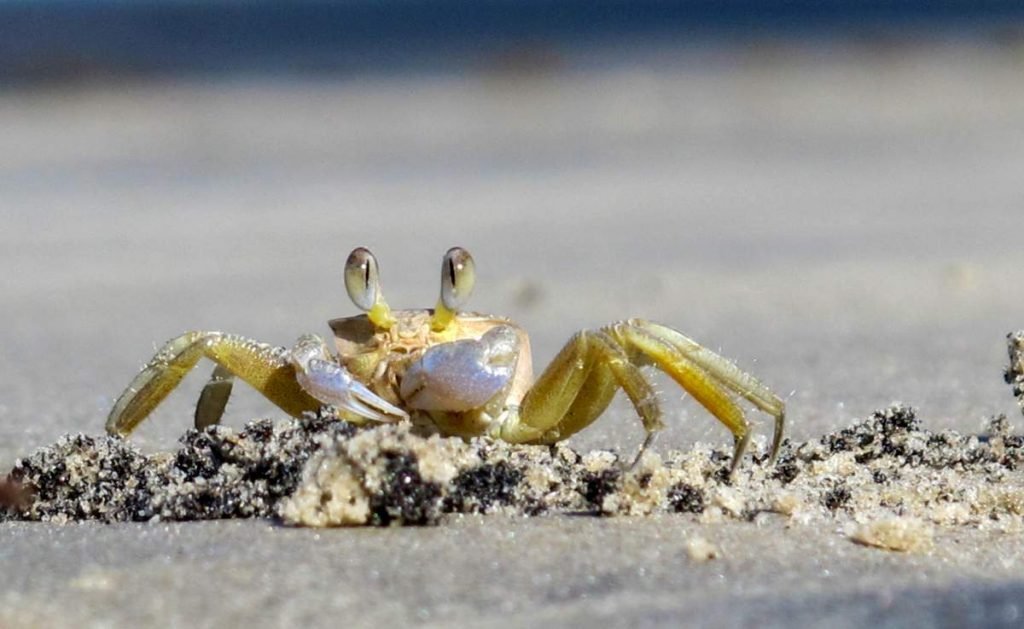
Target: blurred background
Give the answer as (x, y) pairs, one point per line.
(828, 192)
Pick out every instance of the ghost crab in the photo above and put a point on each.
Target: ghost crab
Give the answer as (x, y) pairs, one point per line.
(453, 372)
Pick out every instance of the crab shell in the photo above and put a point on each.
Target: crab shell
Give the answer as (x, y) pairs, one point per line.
(458, 380)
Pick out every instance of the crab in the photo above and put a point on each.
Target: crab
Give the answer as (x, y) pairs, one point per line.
(452, 372)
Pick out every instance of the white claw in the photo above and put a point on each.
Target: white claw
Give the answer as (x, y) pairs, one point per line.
(461, 375)
(331, 383)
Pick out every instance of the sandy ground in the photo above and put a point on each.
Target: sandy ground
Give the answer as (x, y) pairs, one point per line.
(842, 222)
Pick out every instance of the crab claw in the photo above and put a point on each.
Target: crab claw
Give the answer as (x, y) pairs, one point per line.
(462, 375)
(331, 383)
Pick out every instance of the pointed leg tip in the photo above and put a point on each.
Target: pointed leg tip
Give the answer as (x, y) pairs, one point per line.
(648, 440)
(777, 438)
(742, 441)
(113, 430)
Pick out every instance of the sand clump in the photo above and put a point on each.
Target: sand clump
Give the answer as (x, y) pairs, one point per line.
(903, 534)
(700, 550)
(218, 472)
(377, 477)
(318, 472)
(887, 480)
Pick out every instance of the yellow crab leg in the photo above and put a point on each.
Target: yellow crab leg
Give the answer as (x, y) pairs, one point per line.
(214, 398)
(264, 367)
(551, 396)
(592, 398)
(627, 375)
(580, 382)
(577, 387)
(704, 388)
(740, 382)
(723, 371)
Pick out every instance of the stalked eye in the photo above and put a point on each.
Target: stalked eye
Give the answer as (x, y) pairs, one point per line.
(458, 274)
(362, 278)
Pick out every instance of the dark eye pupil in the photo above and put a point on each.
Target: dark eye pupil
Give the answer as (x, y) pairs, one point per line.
(451, 272)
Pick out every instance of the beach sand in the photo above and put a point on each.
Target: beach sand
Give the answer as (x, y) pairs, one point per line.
(840, 222)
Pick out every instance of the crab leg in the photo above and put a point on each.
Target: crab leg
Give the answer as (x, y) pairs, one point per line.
(297, 381)
(704, 388)
(264, 367)
(581, 381)
(577, 387)
(214, 398)
(724, 372)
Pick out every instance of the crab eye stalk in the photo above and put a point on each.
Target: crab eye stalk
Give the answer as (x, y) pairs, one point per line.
(458, 275)
(362, 278)
(362, 281)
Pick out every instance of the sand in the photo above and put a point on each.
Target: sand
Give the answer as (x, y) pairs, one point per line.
(885, 480)
(839, 221)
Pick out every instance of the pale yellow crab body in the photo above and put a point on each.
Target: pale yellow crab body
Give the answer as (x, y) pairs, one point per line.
(452, 372)
(380, 358)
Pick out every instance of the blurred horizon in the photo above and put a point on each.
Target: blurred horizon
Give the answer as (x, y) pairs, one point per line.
(45, 42)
